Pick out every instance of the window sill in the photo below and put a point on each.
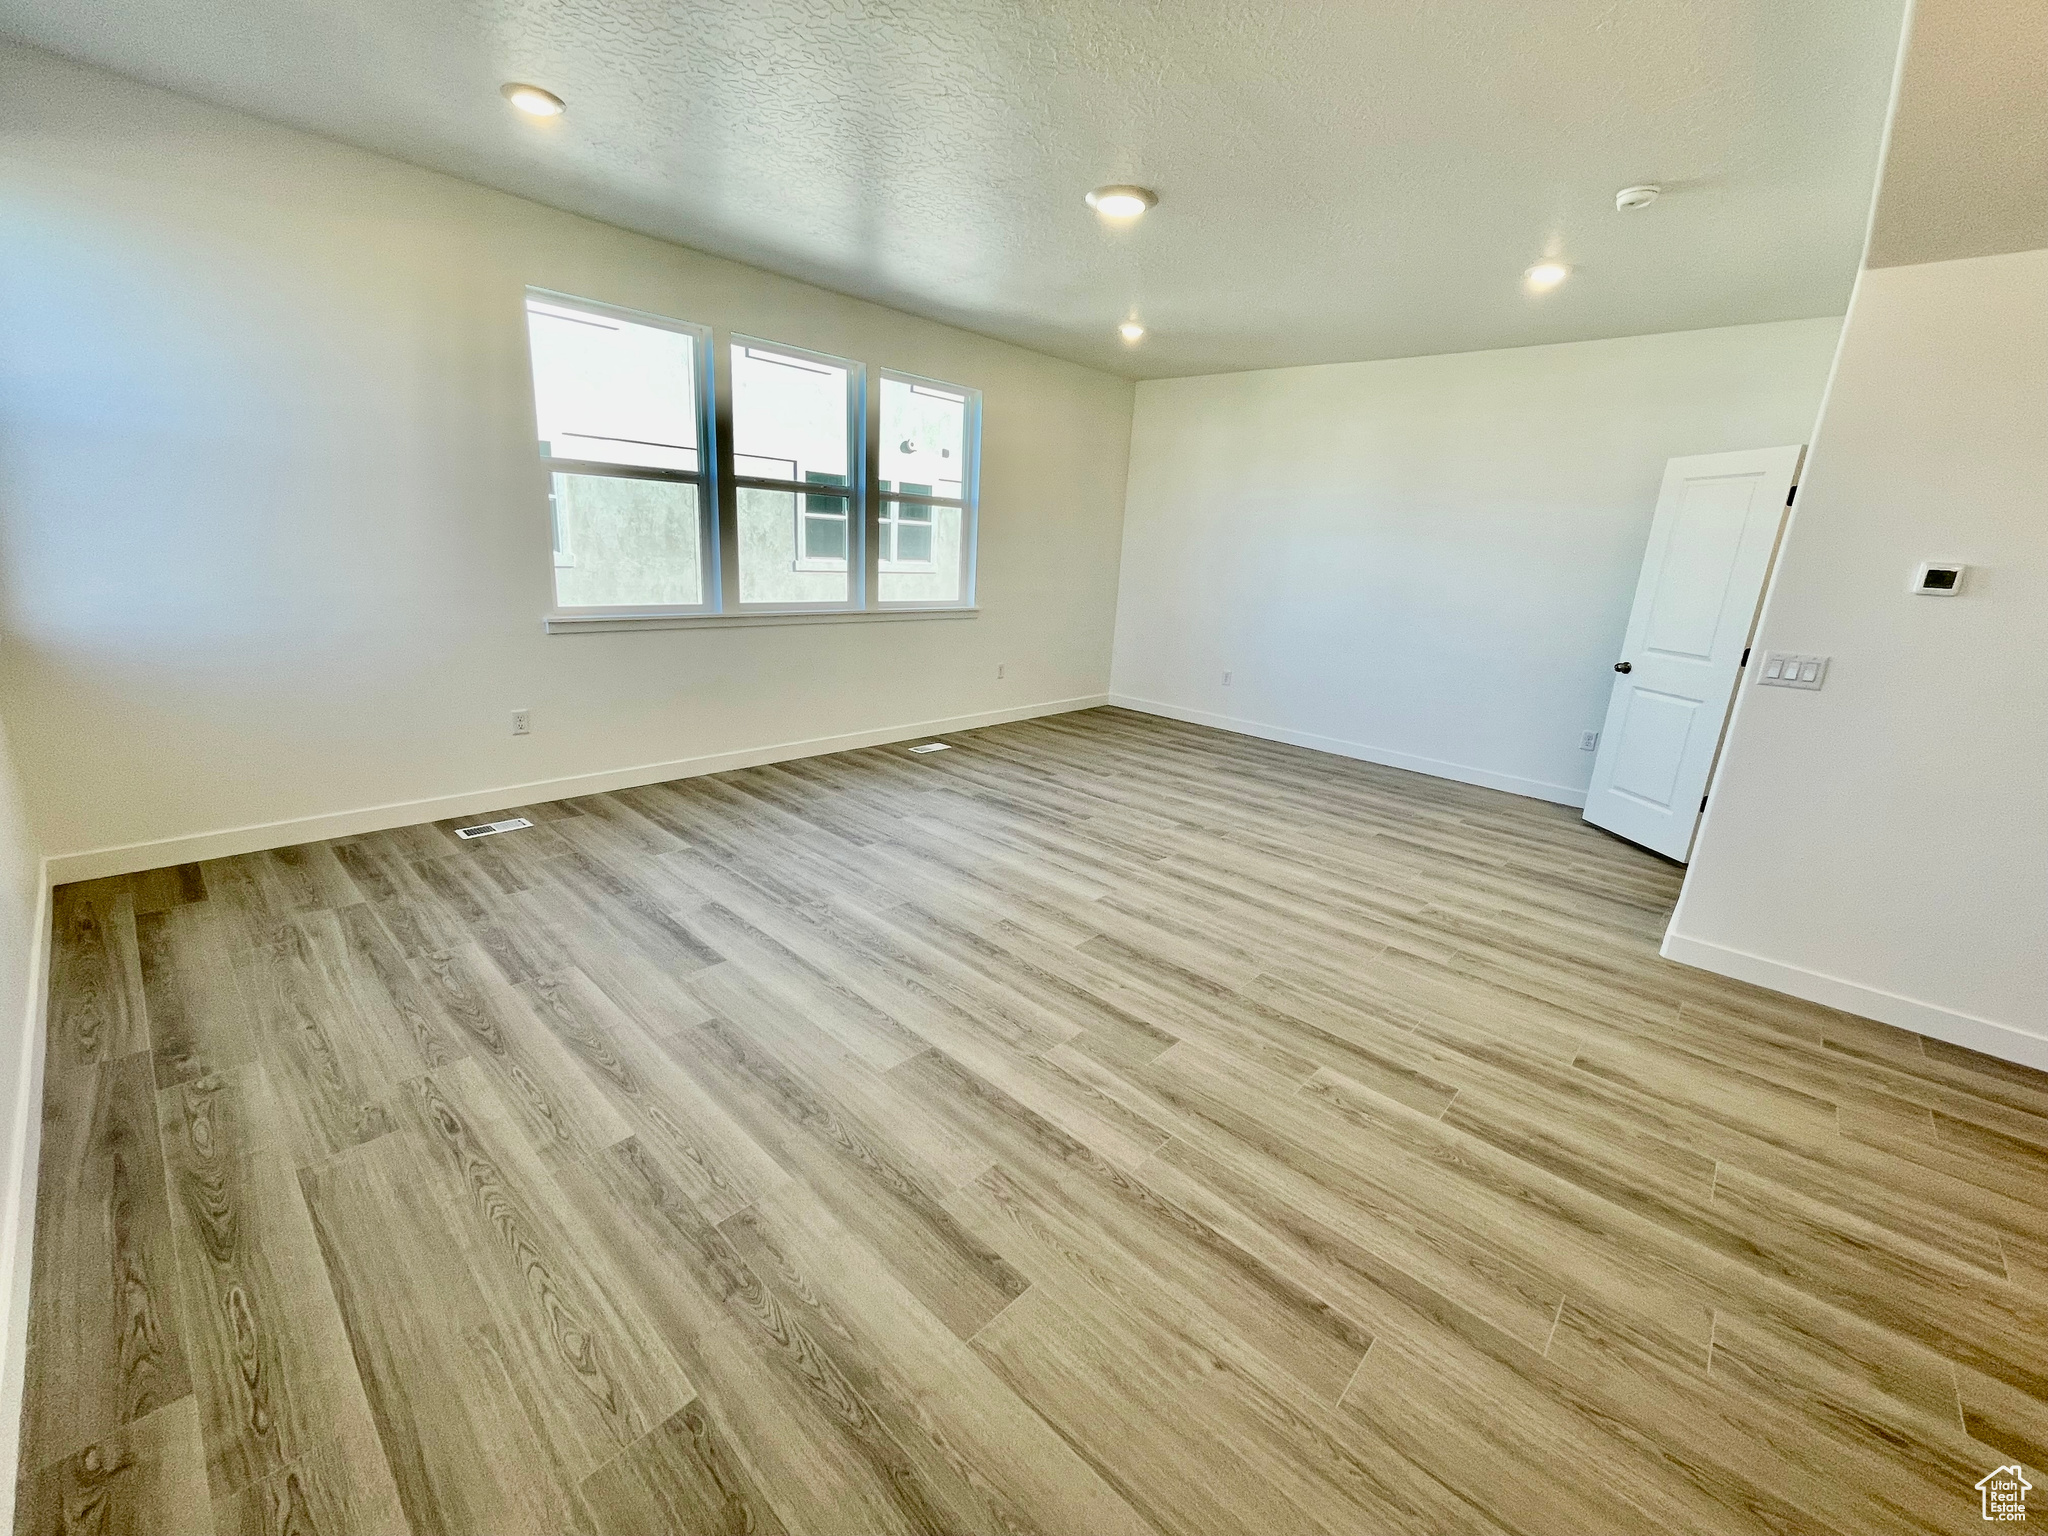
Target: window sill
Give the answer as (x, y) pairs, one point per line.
(580, 624)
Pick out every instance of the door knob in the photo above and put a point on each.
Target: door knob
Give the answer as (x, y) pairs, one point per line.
(1623, 666)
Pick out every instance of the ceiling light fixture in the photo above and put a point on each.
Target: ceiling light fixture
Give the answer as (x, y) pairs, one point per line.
(1637, 197)
(532, 100)
(1121, 202)
(1546, 275)
(1130, 330)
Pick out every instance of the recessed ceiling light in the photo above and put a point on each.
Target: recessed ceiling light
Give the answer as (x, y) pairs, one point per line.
(1546, 275)
(532, 100)
(1121, 202)
(1130, 330)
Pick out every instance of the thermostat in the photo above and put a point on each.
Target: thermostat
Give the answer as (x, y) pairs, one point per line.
(1937, 578)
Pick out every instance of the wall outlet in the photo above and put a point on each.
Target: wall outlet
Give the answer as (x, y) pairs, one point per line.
(522, 722)
(1226, 679)
(1589, 741)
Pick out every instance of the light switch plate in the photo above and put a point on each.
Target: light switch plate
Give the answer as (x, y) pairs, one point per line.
(1781, 669)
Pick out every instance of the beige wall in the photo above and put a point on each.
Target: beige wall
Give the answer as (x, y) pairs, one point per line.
(1882, 845)
(1427, 562)
(273, 532)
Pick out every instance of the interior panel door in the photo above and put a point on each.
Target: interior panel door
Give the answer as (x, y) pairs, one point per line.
(1711, 543)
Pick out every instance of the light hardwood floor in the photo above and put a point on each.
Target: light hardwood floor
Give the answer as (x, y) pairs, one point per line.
(1106, 1126)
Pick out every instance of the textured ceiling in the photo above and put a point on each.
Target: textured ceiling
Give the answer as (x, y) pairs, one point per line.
(1338, 181)
(1966, 171)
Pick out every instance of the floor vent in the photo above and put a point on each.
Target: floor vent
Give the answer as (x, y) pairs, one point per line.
(931, 746)
(491, 828)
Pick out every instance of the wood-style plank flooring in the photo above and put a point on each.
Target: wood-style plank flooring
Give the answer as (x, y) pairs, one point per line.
(1106, 1126)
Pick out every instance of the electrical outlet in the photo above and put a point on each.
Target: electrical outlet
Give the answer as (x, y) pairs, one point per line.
(522, 722)
(1589, 741)
(1226, 679)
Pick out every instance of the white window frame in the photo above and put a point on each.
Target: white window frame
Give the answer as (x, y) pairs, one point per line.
(870, 527)
(704, 477)
(851, 493)
(968, 501)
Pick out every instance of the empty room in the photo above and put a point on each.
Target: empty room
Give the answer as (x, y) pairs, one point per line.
(1060, 768)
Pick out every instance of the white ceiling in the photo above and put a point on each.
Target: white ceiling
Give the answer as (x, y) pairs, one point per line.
(1342, 180)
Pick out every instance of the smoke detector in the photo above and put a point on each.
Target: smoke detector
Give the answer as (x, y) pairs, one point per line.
(1636, 197)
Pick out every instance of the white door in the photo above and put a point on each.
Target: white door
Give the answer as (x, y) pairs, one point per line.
(1710, 551)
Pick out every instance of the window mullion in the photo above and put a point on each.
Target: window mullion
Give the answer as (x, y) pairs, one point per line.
(599, 470)
(727, 545)
(912, 499)
(870, 494)
(801, 487)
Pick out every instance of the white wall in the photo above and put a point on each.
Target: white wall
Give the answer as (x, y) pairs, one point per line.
(1426, 562)
(24, 918)
(273, 538)
(1882, 845)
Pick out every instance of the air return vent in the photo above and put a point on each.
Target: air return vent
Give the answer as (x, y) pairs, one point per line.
(492, 828)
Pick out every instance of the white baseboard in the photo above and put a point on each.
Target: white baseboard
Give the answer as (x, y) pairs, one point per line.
(1930, 1019)
(1485, 778)
(18, 1199)
(93, 863)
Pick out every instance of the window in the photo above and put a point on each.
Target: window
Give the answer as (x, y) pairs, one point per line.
(793, 452)
(619, 406)
(906, 537)
(831, 491)
(822, 538)
(925, 480)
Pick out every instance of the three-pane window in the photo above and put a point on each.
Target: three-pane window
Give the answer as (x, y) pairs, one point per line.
(621, 403)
